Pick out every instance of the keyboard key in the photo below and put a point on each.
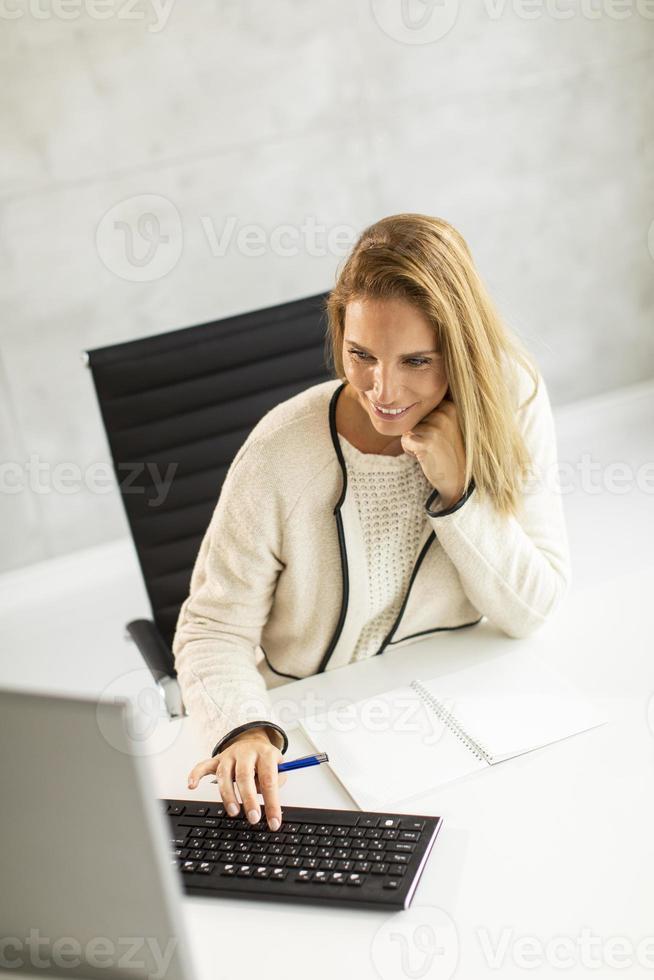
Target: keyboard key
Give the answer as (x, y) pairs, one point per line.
(261, 871)
(278, 874)
(345, 865)
(196, 855)
(409, 835)
(245, 871)
(379, 869)
(396, 869)
(399, 858)
(404, 847)
(188, 821)
(389, 823)
(320, 877)
(337, 878)
(363, 866)
(358, 855)
(368, 821)
(391, 883)
(175, 811)
(206, 867)
(355, 879)
(408, 824)
(304, 875)
(328, 865)
(189, 866)
(389, 834)
(229, 870)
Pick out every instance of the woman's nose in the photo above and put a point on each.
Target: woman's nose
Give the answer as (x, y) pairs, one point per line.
(386, 389)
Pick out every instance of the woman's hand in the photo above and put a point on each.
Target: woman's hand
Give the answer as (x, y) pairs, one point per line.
(437, 444)
(249, 761)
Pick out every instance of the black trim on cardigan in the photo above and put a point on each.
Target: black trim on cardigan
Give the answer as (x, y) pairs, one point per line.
(436, 629)
(453, 508)
(244, 728)
(345, 579)
(425, 548)
(279, 673)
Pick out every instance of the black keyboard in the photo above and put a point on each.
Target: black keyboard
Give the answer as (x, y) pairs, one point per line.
(337, 857)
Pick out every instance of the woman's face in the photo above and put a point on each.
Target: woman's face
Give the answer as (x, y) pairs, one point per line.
(390, 360)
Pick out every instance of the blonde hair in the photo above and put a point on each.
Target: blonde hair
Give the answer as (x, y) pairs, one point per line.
(427, 262)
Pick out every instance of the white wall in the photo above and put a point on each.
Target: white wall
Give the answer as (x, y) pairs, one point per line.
(530, 130)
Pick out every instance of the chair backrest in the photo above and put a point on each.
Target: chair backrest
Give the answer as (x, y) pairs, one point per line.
(177, 407)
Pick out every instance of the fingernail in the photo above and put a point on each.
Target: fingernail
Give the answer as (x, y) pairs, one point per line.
(191, 782)
(274, 824)
(253, 816)
(232, 809)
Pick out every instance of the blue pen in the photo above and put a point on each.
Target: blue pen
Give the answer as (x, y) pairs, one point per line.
(305, 760)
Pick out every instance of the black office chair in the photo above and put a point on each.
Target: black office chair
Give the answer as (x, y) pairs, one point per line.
(176, 408)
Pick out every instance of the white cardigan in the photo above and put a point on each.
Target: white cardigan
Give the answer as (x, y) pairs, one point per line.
(278, 590)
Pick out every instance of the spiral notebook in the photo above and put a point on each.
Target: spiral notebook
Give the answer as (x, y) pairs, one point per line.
(414, 738)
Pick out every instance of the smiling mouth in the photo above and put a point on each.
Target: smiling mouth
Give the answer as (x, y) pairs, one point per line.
(394, 413)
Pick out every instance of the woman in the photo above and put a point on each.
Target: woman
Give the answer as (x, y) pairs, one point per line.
(414, 493)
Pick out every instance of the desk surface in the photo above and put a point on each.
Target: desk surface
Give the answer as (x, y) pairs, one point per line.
(546, 860)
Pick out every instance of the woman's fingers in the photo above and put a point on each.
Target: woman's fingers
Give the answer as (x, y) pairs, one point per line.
(202, 769)
(268, 782)
(225, 777)
(244, 778)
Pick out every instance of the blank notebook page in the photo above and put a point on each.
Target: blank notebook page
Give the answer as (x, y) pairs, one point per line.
(389, 747)
(514, 703)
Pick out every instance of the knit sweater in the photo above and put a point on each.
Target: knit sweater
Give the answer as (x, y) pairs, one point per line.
(280, 591)
(390, 492)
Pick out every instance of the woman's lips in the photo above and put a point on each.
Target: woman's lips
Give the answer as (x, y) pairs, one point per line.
(390, 418)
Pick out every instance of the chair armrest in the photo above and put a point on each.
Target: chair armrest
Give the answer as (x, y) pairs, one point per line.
(161, 663)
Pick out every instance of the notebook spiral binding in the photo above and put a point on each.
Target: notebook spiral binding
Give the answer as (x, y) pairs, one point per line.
(448, 719)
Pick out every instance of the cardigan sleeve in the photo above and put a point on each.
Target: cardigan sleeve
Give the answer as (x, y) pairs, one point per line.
(231, 592)
(515, 570)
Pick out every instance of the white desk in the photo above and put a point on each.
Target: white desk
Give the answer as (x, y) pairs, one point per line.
(557, 843)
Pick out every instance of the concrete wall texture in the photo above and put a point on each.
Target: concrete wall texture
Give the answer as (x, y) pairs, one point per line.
(167, 163)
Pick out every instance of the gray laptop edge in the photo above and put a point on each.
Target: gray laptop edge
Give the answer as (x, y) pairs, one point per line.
(87, 884)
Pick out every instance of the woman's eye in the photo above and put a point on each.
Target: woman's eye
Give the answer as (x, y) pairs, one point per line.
(412, 361)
